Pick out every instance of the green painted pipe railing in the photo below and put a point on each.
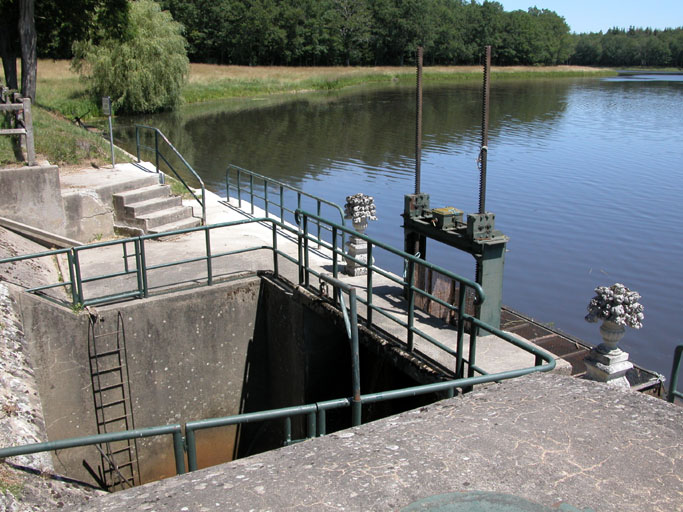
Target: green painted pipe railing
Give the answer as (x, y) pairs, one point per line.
(251, 188)
(315, 413)
(159, 155)
(139, 433)
(316, 424)
(138, 276)
(673, 385)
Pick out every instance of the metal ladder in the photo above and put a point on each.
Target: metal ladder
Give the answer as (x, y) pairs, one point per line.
(119, 466)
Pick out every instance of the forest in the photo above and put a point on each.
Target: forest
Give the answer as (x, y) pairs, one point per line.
(362, 32)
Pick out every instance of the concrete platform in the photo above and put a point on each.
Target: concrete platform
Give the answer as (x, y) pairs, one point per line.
(493, 354)
(547, 438)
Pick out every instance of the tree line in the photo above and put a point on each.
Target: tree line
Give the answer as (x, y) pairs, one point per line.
(367, 32)
(386, 32)
(106, 41)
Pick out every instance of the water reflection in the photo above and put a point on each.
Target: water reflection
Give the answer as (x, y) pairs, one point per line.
(584, 176)
(300, 138)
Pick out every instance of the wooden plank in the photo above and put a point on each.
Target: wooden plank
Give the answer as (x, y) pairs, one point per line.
(13, 131)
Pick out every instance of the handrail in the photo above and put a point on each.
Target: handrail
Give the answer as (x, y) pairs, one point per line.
(316, 419)
(110, 437)
(239, 172)
(158, 154)
(675, 368)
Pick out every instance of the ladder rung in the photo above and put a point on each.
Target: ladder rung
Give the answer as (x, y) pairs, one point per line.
(104, 354)
(116, 452)
(114, 420)
(101, 334)
(108, 370)
(107, 388)
(121, 466)
(112, 404)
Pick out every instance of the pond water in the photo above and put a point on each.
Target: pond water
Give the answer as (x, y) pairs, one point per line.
(584, 176)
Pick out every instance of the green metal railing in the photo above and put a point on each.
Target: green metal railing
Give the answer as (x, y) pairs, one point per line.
(159, 155)
(98, 439)
(315, 413)
(248, 183)
(673, 385)
(138, 278)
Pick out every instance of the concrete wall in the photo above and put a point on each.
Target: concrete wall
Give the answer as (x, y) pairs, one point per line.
(186, 357)
(243, 346)
(88, 217)
(31, 195)
(300, 354)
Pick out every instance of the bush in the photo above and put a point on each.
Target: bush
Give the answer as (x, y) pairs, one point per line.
(145, 69)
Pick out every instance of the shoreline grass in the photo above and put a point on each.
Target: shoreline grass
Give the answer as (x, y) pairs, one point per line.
(62, 97)
(60, 89)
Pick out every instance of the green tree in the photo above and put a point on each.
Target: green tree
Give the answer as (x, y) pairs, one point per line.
(142, 72)
(587, 50)
(350, 23)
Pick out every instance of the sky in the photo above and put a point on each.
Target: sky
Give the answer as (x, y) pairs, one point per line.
(601, 15)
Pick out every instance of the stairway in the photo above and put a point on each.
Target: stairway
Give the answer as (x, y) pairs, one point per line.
(113, 409)
(151, 209)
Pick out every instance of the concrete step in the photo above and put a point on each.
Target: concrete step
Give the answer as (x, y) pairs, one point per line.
(189, 222)
(139, 195)
(167, 216)
(156, 204)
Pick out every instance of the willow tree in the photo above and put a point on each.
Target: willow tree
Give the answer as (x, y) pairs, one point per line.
(144, 69)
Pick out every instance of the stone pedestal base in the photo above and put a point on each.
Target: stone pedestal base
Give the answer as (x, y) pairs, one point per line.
(609, 367)
(356, 248)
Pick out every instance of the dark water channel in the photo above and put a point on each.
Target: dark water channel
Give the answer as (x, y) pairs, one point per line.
(585, 177)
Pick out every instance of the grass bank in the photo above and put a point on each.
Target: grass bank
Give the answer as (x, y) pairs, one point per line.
(209, 82)
(62, 98)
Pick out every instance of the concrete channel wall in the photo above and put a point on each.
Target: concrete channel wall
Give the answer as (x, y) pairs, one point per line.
(248, 345)
(186, 357)
(32, 195)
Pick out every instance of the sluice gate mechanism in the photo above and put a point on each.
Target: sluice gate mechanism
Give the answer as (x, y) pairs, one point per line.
(475, 234)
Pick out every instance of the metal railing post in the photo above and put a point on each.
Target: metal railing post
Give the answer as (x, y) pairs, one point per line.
(209, 268)
(356, 406)
(78, 277)
(251, 192)
(178, 452)
(143, 268)
(239, 188)
(191, 448)
(368, 312)
(74, 289)
(322, 422)
(318, 212)
(276, 270)
(138, 269)
(156, 150)
(459, 363)
(411, 303)
(282, 204)
(306, 257)
(335, 256)
(311, 424)
(265, 196)
(125, 257)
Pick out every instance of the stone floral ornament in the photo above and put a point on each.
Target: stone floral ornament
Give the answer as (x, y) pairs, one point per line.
(617, 307)
(616, 304)
(360, 209)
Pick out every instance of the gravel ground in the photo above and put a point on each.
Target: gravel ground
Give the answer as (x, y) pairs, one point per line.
(27, 483)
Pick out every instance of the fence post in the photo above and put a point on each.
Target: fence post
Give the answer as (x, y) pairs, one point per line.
(28, 126)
